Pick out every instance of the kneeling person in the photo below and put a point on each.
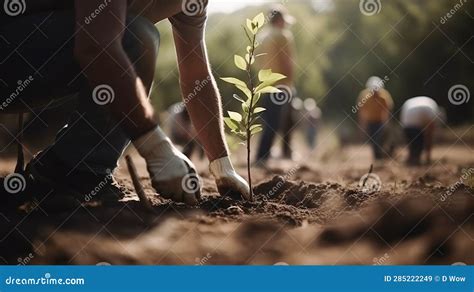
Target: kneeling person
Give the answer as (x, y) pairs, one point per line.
(418, 117)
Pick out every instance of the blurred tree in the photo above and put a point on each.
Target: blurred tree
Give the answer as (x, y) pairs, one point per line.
(339, 48)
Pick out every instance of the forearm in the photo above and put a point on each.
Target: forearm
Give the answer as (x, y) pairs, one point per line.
(203, 103)
(201, 96)
(129, 104)
(99, 51)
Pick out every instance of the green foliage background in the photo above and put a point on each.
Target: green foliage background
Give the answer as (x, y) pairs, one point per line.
(338, 48)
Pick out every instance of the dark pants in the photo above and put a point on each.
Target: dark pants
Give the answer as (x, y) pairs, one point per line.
(276, 117)
(39, 47)
(376, 134)
(415, 141)
(189, 145)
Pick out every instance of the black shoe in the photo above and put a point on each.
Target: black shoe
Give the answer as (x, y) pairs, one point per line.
(49, 179)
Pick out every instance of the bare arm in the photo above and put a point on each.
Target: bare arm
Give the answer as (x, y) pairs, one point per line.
(98, 48)
(203, 102)
(201, 95)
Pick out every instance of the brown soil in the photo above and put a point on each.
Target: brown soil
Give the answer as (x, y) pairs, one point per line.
(308, 213)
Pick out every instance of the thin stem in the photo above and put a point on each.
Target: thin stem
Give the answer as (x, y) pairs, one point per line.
(250, 113)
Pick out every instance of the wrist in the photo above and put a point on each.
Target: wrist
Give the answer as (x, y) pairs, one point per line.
(150, 141)
(213, 155)
(221, 167)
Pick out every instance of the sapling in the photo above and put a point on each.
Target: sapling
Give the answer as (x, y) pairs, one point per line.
(244, 125)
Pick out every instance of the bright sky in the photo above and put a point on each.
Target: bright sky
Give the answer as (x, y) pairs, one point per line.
(232, 5)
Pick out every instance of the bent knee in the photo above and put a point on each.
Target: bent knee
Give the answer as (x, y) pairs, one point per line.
(140, 42)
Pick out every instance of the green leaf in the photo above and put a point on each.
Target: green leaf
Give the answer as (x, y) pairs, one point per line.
(268, 89)
(239, 84)
(259, 110)
(256, 98)
(264, 74)
(268, 75)
(253, 25)
(259, 20)
(235, 116)
(238, 98)
(247, 59)
(276, 77)
(240, 62)
(255, 126)
(264, 84)
(249, 24)
(255, 28)
(247, 34)
(256, 129)
(233, 125)
(245, 90)
(234, 81)
(242, 135)
(245, 107)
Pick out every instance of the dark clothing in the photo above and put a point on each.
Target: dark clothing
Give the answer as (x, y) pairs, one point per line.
(276, 118)
(415, 141)
(39, 48)
(376, 134)
(288, 125)
(11, 10)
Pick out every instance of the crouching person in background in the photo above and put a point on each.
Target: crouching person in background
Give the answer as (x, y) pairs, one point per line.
(419, 116)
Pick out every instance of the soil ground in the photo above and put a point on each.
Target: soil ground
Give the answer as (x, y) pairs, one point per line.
(309, 210)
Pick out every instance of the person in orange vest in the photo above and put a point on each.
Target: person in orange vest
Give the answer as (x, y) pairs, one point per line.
(374, 107)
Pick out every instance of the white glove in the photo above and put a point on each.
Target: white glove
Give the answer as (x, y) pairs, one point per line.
(229, 183)
(172, 174)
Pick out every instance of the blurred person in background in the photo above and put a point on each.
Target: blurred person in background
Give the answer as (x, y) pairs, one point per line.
(181, 130)
(277, 42)
(313, 116)
(419, 116)
(375, 104)
(305, 116)
(290, 116)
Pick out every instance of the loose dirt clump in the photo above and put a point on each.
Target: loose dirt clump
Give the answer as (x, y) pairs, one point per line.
(298, 194)
(419, 215)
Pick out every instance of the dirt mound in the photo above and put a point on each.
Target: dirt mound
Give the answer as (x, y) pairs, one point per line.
(440, 228)
(418, 216)
(298, 194)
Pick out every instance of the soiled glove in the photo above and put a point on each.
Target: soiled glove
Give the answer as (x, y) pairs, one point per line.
(229, 183)
(172, 174)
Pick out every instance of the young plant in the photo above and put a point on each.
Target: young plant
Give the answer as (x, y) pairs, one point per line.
(244, 125)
